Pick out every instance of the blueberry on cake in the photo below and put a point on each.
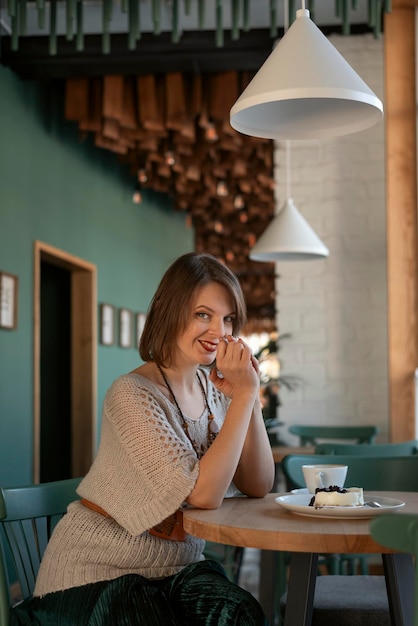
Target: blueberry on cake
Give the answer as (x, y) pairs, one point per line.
(337, 496)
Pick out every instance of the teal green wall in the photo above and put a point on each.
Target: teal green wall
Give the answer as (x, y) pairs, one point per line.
(71, 195)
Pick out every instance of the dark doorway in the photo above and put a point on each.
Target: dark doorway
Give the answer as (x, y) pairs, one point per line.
(64, 364)
(55, 370)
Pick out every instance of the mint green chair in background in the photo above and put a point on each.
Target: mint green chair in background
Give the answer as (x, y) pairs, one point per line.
(399, 532)
(380, 473)
(310, 435)
(28, 516)
(370, 449)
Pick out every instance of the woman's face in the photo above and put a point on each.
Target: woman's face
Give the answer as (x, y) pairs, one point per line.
(211, 317)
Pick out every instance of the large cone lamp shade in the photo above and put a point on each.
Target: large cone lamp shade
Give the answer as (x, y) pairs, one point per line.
(305, 90)
(288, 238)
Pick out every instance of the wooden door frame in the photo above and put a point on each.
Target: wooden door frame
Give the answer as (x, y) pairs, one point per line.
(83, 356)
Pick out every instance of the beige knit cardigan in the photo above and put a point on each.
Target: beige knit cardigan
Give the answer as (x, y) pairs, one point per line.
(144, 470)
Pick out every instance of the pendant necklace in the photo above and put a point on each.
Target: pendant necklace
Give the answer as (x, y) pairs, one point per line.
(212, 425)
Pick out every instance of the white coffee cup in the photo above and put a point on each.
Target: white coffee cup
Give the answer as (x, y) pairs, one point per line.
(321, 476)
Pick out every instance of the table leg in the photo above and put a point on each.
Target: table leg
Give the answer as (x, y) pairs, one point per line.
(399, 574)
(267, 584)
(301, 589)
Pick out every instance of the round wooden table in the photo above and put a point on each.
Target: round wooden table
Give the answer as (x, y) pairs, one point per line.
(262, 523)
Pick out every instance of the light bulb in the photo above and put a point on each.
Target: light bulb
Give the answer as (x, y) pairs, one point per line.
(170, 158)
(137, 196)
(222, 189)
(142, 175)
(211, 134)
(239, 202)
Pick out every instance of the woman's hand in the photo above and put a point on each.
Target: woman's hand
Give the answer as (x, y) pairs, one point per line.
(237, 366)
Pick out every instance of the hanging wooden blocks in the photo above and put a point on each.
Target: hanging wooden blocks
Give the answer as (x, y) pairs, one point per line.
(149, 103)
(175, 101)
(175, 130)
(77, 99)
(113, 97)
(223, 92)
(129, 118)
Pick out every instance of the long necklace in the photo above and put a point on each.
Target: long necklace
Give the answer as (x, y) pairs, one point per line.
(212, 425)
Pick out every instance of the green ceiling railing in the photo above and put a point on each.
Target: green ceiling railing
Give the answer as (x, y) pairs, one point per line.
(239, 18)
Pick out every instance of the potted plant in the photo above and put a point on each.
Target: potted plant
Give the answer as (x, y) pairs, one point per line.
(272, 379)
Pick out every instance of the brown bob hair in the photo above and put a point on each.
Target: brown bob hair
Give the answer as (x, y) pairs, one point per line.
(169, 310)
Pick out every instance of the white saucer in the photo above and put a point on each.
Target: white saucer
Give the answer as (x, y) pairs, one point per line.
(299, 503)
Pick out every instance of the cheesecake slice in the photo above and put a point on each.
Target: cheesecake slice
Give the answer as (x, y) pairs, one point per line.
(337, 496)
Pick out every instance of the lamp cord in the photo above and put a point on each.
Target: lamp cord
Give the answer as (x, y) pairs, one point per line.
(288, 173)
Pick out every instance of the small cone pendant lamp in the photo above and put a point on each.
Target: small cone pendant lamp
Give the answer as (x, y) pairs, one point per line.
(305, 90)
(288, 238)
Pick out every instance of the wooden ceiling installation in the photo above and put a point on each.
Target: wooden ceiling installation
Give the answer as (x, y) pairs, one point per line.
(173, 133)
(156, 87)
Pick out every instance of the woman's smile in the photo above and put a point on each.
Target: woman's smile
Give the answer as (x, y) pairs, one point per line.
(208, 346)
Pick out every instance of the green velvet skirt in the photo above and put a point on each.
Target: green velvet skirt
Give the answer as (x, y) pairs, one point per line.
(200, 595)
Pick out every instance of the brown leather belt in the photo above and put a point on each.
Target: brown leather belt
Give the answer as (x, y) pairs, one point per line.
(170, 528)
(95, 507)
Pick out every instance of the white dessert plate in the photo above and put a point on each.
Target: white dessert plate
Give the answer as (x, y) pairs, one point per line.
(298, 491)
(299, 503)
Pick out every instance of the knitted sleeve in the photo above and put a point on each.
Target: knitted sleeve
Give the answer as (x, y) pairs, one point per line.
(145, 467)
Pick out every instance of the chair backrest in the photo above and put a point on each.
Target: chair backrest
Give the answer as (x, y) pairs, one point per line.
(369, 449)
(380, 473)
(310, 435)
(399, 532)
(28, 516)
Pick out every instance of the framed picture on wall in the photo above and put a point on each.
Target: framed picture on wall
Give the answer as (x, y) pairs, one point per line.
(140, 321)
(8, 300)
(125, 328)
(107, 324)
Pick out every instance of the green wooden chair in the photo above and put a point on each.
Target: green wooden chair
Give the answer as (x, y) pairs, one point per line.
(28, 516)
(399, 532)
(369, 449)
(310, 435)
(358, 599)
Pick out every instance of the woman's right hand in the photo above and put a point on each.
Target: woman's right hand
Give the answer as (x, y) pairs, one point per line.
(238, 368)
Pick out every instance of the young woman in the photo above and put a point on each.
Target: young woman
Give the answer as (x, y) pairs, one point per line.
(176, 431)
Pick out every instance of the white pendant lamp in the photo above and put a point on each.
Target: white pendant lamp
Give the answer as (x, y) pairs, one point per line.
(288, 238)
(305, 90)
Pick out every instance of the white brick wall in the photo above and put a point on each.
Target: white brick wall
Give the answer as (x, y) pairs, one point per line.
(336, 309)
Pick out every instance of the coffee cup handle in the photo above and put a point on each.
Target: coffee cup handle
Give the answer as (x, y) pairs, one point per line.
(318, 479)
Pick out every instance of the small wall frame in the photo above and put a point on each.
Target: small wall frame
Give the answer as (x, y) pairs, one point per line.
(140, 322)
(125, 328)
(8, 300)
(107, 324)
